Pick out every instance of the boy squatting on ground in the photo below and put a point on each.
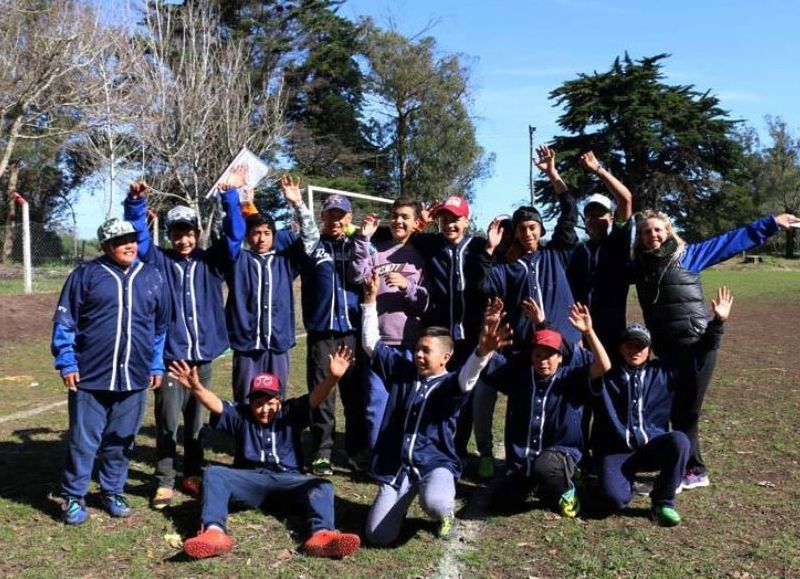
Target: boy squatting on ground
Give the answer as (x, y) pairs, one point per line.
(265, 469)
(260, 307)
(401, 299)
(415, 451)
(108, 341)
(197, 332)
(543, 433)
(632, 413)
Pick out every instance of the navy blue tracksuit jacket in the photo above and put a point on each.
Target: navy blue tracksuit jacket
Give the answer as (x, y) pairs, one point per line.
(197, 329)
(543, 413)
(540, 275)
(110, 325)
(260, 308)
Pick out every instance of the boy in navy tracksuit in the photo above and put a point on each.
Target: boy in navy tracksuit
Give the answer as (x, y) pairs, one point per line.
(539, 273)
(331, 317)
(545, 407)
(415, 451)
(196, 331)
(599, 269)
(108, 342)
(265, 469)
(452, 272)
(632, 413)
(260, 307)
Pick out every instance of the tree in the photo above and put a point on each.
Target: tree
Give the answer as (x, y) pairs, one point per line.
(670, 144)
(420, 119)
(201, 106)
(778, 178)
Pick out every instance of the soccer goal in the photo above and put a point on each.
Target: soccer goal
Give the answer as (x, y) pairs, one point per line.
(362, 203)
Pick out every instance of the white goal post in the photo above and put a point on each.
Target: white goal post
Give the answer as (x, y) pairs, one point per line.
(313, 190)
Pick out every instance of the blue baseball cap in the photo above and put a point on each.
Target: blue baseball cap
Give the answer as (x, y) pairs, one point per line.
(337, 202)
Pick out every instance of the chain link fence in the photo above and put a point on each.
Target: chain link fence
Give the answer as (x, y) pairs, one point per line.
(54, 253)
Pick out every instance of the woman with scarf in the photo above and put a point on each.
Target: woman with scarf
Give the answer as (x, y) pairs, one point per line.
(667, 276)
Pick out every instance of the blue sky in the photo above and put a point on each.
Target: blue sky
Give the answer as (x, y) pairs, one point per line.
(518, 51)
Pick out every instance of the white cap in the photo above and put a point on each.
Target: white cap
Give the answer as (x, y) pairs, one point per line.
(598, 199)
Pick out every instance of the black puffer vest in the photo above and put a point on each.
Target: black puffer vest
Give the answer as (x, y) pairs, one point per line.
(673, 305)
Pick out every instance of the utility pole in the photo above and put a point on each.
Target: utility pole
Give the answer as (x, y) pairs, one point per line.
(531, 181)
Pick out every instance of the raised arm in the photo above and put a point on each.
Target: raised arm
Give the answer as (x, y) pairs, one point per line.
(135, 211)
(308, 227)
(338, 363)
(547, 165)
(580, 317)
(565, 237)
(614, 186)
(187, 377)
(362, 264)
(721, 308)
(370, 334)
(495, 335)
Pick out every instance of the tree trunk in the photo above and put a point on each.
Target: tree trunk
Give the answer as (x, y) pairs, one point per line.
(789, 253)
(11, 213)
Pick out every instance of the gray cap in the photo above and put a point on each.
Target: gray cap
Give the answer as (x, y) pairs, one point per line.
(113, 228)
(182, 214)
(637, 332)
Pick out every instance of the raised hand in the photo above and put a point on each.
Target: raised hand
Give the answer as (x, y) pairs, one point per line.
(494, 336)
(580, 317)
(425, 216)
(547, 159)
(236, 179)
(371, 285)
(138, 189)
(589, 162)
(494, 235)
(532, 310)
(369, 225)
(339, 361)
(185, 374)
(721, 306)
(291, 190)
(494, 311)
(787, 220)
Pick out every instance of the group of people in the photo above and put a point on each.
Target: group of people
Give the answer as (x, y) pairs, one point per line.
(419, 331)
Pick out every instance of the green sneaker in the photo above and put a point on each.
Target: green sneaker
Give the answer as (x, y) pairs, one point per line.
(322, 467)
(486, 467)
(666, 516)
(446, 526)
(569, 505)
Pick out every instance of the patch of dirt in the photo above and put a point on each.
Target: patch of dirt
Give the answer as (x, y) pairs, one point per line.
(24, 317)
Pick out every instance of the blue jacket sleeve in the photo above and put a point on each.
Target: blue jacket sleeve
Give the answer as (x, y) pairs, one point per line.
(63, 347)
(163, 314)
(498, 373)
(564, 236)
(233, 223)
(65, 323)
(699, 256)
(135, 211)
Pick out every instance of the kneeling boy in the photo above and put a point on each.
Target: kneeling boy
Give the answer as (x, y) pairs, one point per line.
(632, 414)
(265, 466)
(545, 409)
(415, 451)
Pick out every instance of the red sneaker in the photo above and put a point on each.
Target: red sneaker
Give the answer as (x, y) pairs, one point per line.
(332, 544)
(192, 486)
(208, 543)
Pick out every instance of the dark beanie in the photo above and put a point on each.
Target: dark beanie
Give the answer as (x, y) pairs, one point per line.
(527, 213)
(259, 219)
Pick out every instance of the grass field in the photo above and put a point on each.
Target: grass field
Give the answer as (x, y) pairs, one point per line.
(744, 525)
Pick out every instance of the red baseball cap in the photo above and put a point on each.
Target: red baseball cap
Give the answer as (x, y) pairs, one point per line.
(547, 337)
(454, 204)
(264, 384)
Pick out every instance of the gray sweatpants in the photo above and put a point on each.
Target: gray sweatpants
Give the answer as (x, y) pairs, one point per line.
(437, 496)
